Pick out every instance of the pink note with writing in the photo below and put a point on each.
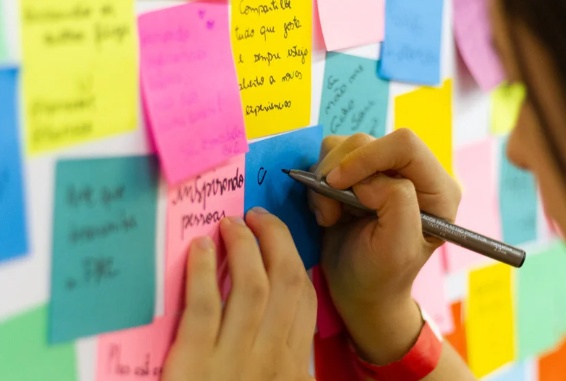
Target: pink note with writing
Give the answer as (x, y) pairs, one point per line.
(191, 88)
(472, 31)
(479, 209)
(346, 24)
(328, 320)
(429, 292)
(136, 354)
(195, 209)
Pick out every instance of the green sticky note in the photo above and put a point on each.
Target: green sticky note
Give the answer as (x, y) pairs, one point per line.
(103, 270)
(25, 354)
(506, 101)
(536, 291)
(3, 47)
(558, 253)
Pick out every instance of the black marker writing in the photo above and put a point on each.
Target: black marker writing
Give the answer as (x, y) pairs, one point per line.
(261, 175)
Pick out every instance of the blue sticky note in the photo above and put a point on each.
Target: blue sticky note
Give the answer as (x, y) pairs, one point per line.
(13, 229)
(103, 270)
(268, 187)
(514, 373)
(518, 202)
(354, 98)
(411, 50)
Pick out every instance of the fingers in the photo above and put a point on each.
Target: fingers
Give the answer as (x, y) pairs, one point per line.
(302, 332)
(286, 273)
(201, 319)
(250, 288)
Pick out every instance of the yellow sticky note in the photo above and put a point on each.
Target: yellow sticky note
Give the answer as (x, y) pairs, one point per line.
(271, 42)
(506, 101)
(81, 71)
(428, 112)
(489, 319)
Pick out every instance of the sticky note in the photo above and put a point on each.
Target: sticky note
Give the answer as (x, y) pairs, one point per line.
(137, 353)
(328, 320)
(103, 270)
(556, 254)
(430, 294)
(81, 71)
(518, 202)
(489, 319)
(333, 359)
(352, 23)
(354, 98)
(268, 187)
(552, 366)
(535, 305)
(191, 89)
(516, 372)
(272, 46)
(25, 354)
(475, 168)
(411, 49)
(457, 338)
(428, 112)
(3, 43)
(506, 101)
(13, 229)
(195, 209)
(472, 31)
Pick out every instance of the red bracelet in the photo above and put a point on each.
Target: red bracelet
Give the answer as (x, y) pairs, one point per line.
(416, 365)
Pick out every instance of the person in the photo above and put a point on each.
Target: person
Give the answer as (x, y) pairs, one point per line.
(266, 329)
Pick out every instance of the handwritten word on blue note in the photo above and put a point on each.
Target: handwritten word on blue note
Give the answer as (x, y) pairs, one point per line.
(103, 271)
(268, 187)
(13, 240)
(354, 98)
(411, 49)
(518, 202)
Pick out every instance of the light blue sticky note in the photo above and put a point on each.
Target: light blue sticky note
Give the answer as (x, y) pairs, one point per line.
(354, 98)
(411, 50)
(268, 187)
(536, 314)
(514, 373)
(13, 230)
(103, 270)
(518, 202)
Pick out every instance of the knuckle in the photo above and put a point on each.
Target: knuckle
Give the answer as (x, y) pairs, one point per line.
(291, 274)
(202, 307)
(402, 189)
(255, 288)
(329, 142)
(360, 139)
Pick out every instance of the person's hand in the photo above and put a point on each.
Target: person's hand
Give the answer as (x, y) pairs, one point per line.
(370, 263)
(265, 332)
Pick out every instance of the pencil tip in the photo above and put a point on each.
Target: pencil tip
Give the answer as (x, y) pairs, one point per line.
(286, 171)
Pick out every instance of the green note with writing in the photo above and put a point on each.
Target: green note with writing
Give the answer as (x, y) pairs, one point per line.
(25, 354)
(103, 270)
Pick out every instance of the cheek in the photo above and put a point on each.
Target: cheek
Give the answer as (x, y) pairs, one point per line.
(521, 146)
(553, 196)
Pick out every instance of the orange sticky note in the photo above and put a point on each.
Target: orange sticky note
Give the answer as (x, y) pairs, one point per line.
(458, 337)
(552, 367)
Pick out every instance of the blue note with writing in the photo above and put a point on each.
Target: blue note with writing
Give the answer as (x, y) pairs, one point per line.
(354, 98)
(13, 229)
(518, 202)
(103, 270)
(268, 187)
(411, 50)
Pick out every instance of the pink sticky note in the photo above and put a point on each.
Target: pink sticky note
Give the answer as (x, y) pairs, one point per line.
(479, 209)
(195, 209)
(473, 36)
(429, 292)
(328, 320)
(346, 24)
(191, 88)
(136, 354)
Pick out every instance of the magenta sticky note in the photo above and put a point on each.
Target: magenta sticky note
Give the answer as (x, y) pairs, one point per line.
(346, 24)
(472, 31)
(474, 167)
(136, 354)
(430, 293)
(195, 209)
(328, 320)
(191, 88)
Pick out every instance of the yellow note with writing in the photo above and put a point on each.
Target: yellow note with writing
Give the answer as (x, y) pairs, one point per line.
(80, 80)
(428, 112)
(272, 43)
(506, 101)
(489, 319)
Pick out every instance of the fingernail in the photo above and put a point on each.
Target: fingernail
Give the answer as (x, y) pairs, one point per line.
(319, 217)
(259, 210)
(236, 220)
(333, 176)
(204, 243)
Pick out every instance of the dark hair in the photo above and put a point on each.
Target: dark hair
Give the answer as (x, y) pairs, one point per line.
(546, 20)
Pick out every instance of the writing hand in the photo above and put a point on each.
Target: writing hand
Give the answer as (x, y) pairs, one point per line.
(266, 329)
(370, 263)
